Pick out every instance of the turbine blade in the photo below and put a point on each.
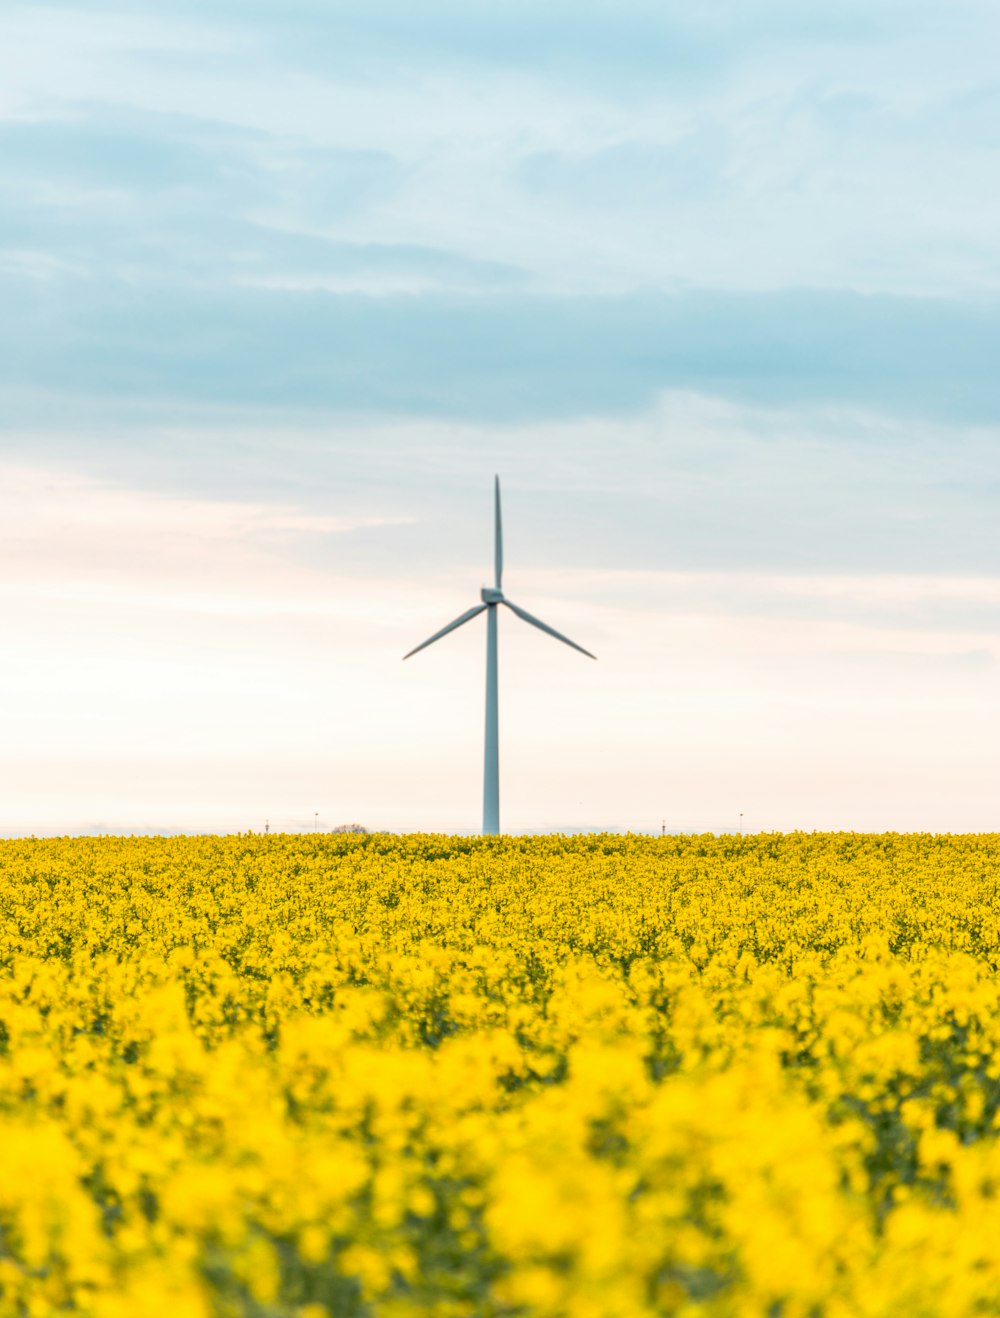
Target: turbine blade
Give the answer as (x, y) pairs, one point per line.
(543, 626)
(469, 613)
(498, 530)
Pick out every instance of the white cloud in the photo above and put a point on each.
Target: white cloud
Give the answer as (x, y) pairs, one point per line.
(791, 157)
(39, 502)
(72, 536)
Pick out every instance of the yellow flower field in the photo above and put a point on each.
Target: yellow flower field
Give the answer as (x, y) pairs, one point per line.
(592, 1077)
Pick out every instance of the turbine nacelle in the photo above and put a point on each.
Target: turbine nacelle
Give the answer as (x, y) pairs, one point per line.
(491, 595)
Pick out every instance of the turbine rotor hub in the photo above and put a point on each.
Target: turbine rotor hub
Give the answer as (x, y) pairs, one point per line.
(491, 595)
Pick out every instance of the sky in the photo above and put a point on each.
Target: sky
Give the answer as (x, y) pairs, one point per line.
(714, 289)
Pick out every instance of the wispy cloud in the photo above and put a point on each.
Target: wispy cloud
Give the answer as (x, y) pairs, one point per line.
(503, 355)
(70, 538)
(691, 484)
(622, 147)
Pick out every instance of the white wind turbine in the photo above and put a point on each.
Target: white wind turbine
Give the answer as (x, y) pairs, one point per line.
(492, 596)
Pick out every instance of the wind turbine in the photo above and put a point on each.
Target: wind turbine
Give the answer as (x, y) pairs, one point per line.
(491, 597)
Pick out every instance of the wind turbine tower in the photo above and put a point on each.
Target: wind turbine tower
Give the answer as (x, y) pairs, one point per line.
(492, 597)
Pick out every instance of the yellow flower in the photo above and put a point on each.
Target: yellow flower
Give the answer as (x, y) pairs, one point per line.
(581, 1077)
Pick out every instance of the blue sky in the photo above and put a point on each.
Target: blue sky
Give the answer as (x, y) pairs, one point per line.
(717, 292)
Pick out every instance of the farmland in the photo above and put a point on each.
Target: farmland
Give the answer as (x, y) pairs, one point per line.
(597, 1077)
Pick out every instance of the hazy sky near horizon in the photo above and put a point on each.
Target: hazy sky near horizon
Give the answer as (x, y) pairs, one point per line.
(716, 291)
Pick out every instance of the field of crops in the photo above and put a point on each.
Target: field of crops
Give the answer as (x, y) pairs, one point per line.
(592, 1077)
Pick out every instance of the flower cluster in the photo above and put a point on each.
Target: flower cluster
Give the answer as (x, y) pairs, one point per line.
(593, 1077)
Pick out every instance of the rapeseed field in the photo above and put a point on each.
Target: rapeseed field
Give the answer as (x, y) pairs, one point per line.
(594, 1077)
